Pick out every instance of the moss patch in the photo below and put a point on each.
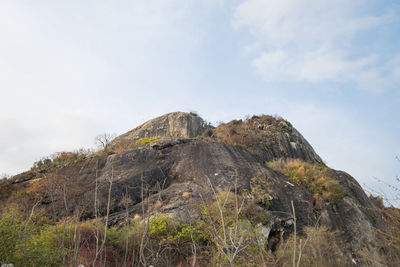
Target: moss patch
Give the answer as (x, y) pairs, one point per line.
(145, 140)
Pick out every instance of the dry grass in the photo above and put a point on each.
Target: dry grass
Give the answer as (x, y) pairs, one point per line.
(154, 206)
(137, 217)
(121, 146)
(316, 177)
(252, 130)
(318, 248)
(185, 194)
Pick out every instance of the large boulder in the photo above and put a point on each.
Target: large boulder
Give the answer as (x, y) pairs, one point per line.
(175, 124)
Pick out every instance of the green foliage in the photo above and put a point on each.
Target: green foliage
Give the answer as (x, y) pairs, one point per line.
(186, 233)
(10, 228)
(37, 241)
(173, 240)
(316, 177)
(234, 236)
(29, 242)
(159, 225)
(162, 228)
(225, 234)
(40, 248)
(144, 141)
(183, 234)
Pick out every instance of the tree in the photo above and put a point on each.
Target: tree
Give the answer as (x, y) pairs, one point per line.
(103, 140)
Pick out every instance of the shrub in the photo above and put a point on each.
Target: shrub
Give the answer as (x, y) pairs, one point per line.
(159, 225)
(318, 249)
(233, 235)
(163, 229)
(37, 241)
(121, 145)
(89, 239)
(163, 241)
(255, 214)
(28, 242)
(259, 190)
(316, 177)
(252, 131)
(10, 227)
(41, 164)
(60, 159)
(41, 247)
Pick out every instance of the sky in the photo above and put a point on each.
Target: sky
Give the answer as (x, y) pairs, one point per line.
(70, 70)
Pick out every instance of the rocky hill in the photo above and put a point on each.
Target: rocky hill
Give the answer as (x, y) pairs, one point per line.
(260, 169)
(176, 124)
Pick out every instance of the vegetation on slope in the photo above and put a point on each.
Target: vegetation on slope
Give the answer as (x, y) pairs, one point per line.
(230, 229)
(60, 160)
(126, 144)
(251, 130)
(316, 177)
(144, 141)
(227, 234)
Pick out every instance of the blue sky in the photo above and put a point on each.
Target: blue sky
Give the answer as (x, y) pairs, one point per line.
(70, 70)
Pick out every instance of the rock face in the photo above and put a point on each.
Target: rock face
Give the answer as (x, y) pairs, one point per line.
(179, 171)
(269, 138)
(175, 124)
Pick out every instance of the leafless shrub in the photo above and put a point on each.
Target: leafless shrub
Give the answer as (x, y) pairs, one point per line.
(103, 140)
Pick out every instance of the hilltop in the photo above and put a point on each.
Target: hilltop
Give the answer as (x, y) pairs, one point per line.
(241, 189)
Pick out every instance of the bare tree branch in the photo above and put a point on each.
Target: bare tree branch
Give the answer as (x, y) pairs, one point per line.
(103, 140)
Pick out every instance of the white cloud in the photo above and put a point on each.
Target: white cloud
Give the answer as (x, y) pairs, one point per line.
(319, 41)
(252, 48)
(321, 65)
(271, 63)
(306, 21)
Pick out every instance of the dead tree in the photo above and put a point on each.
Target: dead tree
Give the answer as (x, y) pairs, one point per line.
(103, 140)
